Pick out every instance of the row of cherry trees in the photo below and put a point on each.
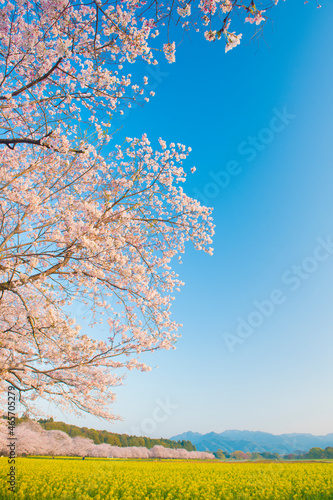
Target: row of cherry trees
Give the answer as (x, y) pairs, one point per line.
(33, 440)
(83, 220)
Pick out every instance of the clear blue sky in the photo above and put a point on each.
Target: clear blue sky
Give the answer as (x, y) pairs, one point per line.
(268, 219)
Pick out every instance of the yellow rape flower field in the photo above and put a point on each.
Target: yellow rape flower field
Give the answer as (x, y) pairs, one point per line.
(103, 479)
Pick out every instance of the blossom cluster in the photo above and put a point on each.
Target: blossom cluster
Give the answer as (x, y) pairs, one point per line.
(81, 224)
(65, 240)
(34, 440)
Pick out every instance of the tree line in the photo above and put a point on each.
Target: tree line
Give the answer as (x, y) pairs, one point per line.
(111, 438)
(312, 454)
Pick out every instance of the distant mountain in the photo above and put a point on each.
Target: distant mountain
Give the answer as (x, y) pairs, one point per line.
(255, 441)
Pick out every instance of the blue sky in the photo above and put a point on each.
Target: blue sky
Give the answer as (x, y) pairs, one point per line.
(272, 215)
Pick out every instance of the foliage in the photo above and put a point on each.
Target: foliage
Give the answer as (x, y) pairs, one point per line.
(112, 438)
(33, 439)
(219, 454)
(319, 453)
(238, 455)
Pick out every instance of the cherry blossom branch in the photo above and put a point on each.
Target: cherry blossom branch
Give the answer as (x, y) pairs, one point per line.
(34, 82)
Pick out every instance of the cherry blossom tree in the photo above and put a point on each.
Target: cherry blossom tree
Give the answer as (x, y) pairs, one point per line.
(82, 221)
(98, 230)
(32, 439)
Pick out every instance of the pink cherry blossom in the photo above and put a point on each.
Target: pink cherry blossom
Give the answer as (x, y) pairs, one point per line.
(232, 41)
(32, 439)
(86, 222)
(258, 18)
(185, 11)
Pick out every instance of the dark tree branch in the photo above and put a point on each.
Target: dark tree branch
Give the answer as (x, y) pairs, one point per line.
(34, 82)
(11, 143)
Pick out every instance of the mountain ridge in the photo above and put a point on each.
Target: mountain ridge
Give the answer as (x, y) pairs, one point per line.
(250, 441)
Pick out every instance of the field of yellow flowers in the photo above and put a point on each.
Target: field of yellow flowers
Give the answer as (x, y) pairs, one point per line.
(103, 479)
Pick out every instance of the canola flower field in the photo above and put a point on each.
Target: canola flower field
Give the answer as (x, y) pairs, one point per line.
(105, 479)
